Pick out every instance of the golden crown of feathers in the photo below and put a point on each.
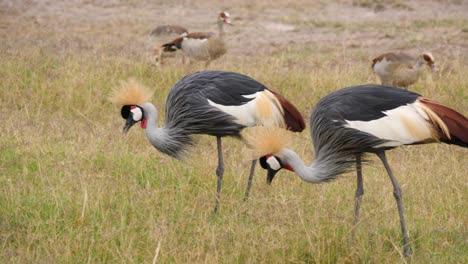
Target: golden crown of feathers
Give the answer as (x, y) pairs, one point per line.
(130, 92)
(262, 140)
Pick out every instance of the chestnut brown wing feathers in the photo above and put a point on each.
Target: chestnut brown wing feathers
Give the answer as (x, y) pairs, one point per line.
(292, 117)
(456, 123)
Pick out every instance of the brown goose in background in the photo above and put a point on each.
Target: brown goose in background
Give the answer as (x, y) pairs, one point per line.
(162, 34)
(168, 30)
(401, 69)
(202, 46)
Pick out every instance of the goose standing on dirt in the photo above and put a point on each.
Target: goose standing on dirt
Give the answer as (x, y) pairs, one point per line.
(401, 69)
(202, 46)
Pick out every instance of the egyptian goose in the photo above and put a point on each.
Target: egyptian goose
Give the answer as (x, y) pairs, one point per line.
(401, 69)
(202, 46)
(162, 34)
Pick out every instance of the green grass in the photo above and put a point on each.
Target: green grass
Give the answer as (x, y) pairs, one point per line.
(74, 189)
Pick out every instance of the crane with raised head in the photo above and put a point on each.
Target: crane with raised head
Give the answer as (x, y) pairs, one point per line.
(215, 103)
(401, 69)
(353, 121)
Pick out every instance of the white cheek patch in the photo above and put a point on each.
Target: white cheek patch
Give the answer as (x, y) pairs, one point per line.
(136, 114)
(273, 163)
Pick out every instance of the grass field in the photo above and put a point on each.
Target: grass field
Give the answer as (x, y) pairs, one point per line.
(74, 189)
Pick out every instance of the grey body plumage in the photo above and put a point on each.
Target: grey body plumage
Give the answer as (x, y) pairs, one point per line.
(336, 145)
(188, 111)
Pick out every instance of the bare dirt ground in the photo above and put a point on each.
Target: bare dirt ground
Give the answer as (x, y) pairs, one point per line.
(121, 28)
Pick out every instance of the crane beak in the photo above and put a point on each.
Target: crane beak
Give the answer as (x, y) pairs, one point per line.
(272, 165)
(128, 124)
(270, 175)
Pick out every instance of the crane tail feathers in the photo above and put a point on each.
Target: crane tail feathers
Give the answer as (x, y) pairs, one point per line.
(130, 92)
(292, 117)
(451, 126)
(263, 140)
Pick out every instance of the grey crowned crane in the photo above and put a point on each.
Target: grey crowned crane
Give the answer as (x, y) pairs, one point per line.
(202, 46)
(401, 69)
(215, 103)
(353, 121)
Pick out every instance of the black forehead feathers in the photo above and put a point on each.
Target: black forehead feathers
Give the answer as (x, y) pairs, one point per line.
(125, 111)
(263, 162)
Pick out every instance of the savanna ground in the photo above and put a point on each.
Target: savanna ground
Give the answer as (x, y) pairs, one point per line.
(74, 189)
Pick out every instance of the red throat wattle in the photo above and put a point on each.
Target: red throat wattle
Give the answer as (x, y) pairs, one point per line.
(143, 123)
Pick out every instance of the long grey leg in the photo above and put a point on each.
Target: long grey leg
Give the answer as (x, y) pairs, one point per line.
(397, 194)
(249, 183)
(359, 192)
(219, 173)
